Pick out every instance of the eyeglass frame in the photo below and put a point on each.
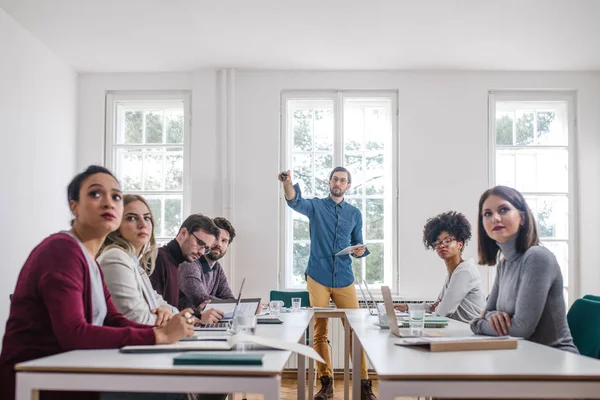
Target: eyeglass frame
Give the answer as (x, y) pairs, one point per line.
(446, 242)
(201, 244)
(342, 181)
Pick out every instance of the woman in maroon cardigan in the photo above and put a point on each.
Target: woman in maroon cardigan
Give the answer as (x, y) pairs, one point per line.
(61, 303)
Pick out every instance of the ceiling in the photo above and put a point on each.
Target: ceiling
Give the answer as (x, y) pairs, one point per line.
(178, 35)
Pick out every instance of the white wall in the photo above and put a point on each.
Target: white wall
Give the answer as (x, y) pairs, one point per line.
(38, 101)
(443, 128)
(451, 146)
(205, 178)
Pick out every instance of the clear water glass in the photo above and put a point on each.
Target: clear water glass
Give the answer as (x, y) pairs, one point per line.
(244, 325)
(416, 318)
(275, 307)
(382, 314)
(296, 303)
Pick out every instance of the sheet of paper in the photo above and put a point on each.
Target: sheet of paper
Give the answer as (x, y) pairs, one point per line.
(347, 250)
(278, 344)
(226, 345)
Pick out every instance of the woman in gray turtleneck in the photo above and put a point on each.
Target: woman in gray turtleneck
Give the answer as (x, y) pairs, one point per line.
(527, 298)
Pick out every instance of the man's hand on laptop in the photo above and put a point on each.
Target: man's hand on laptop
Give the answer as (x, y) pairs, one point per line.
(210, 316)
(163, 314)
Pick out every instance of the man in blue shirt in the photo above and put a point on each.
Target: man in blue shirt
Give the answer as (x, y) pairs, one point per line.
(334, 225)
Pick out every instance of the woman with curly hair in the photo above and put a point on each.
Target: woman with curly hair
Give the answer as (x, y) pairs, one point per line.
(461, 297)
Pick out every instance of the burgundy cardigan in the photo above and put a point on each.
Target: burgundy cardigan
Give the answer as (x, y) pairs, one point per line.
(51, 312)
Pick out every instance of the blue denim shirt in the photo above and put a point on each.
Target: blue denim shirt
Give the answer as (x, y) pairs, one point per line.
(333, 227)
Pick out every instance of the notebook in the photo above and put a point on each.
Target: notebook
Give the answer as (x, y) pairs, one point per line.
(436, 344)
(195, 358)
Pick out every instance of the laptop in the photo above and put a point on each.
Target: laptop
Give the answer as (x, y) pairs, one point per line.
(372, 311)
(394, 325)
(223, 325)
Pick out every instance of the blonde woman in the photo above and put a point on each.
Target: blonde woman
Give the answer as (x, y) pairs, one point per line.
(127, 259)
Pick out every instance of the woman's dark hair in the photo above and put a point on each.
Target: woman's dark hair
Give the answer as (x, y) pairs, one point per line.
(200, 222)
(455, 223)
(226, 225)
(75, 185)
(527, 236)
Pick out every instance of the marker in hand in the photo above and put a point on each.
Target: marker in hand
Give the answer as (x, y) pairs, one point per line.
(283, 176)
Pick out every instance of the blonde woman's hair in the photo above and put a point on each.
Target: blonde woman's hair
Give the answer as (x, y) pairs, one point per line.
(114, 239)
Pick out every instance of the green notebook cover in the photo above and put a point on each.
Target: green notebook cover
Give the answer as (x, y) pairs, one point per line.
(203, 358)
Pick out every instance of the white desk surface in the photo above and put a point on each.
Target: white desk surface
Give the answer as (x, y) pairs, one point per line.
(530, 361)
(112, 361)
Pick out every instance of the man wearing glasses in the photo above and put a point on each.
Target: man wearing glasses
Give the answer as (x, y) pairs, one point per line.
(334, 225)
(195, 238)
(205, 279)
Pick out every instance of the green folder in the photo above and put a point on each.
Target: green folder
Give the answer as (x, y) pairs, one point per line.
(204, 358)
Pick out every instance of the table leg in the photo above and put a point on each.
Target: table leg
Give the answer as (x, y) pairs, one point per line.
(356, 360)
(347, 339)
(311, 362)
(301, 372)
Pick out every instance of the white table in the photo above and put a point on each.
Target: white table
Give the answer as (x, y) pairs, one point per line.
(530, 371)
(110, 370)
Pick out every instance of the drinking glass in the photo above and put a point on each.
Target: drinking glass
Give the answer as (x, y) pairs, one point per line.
(275, 307)
(416, 318)
(296, 303)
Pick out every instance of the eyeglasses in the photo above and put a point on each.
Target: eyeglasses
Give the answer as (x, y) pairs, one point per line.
(343, 181)
(446, 242)
(201, 244)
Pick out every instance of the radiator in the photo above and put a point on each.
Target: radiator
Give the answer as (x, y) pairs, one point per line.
(336, 338)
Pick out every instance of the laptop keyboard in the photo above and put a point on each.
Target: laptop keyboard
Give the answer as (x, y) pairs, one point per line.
(217, 325)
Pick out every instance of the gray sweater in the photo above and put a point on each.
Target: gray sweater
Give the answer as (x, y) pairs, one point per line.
(529, 287)
(199, 282)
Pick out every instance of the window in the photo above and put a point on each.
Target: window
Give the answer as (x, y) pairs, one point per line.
(531, 140)
(147, 142)
(354, 130)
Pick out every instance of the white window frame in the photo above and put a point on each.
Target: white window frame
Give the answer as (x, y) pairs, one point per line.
(337, 97)
(544, 96)
(114, 98)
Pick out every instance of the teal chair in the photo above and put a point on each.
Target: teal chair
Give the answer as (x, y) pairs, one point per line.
(584, 322)
(286, 297)
(592, 297)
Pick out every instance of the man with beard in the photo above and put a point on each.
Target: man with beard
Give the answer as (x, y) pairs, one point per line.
(334, 225)
(195, 238)
(204, 279)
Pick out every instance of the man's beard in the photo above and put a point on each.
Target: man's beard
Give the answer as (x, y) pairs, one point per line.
(214, 257)
(338, 190)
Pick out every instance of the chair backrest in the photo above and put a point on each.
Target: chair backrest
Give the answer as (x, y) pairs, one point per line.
(591, 297)
(286, 297)
(584, 322)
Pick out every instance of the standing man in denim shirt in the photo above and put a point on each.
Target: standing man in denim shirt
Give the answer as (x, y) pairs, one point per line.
(334, 225)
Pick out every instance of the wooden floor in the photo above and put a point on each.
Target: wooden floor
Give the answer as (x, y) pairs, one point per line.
(289, 392)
